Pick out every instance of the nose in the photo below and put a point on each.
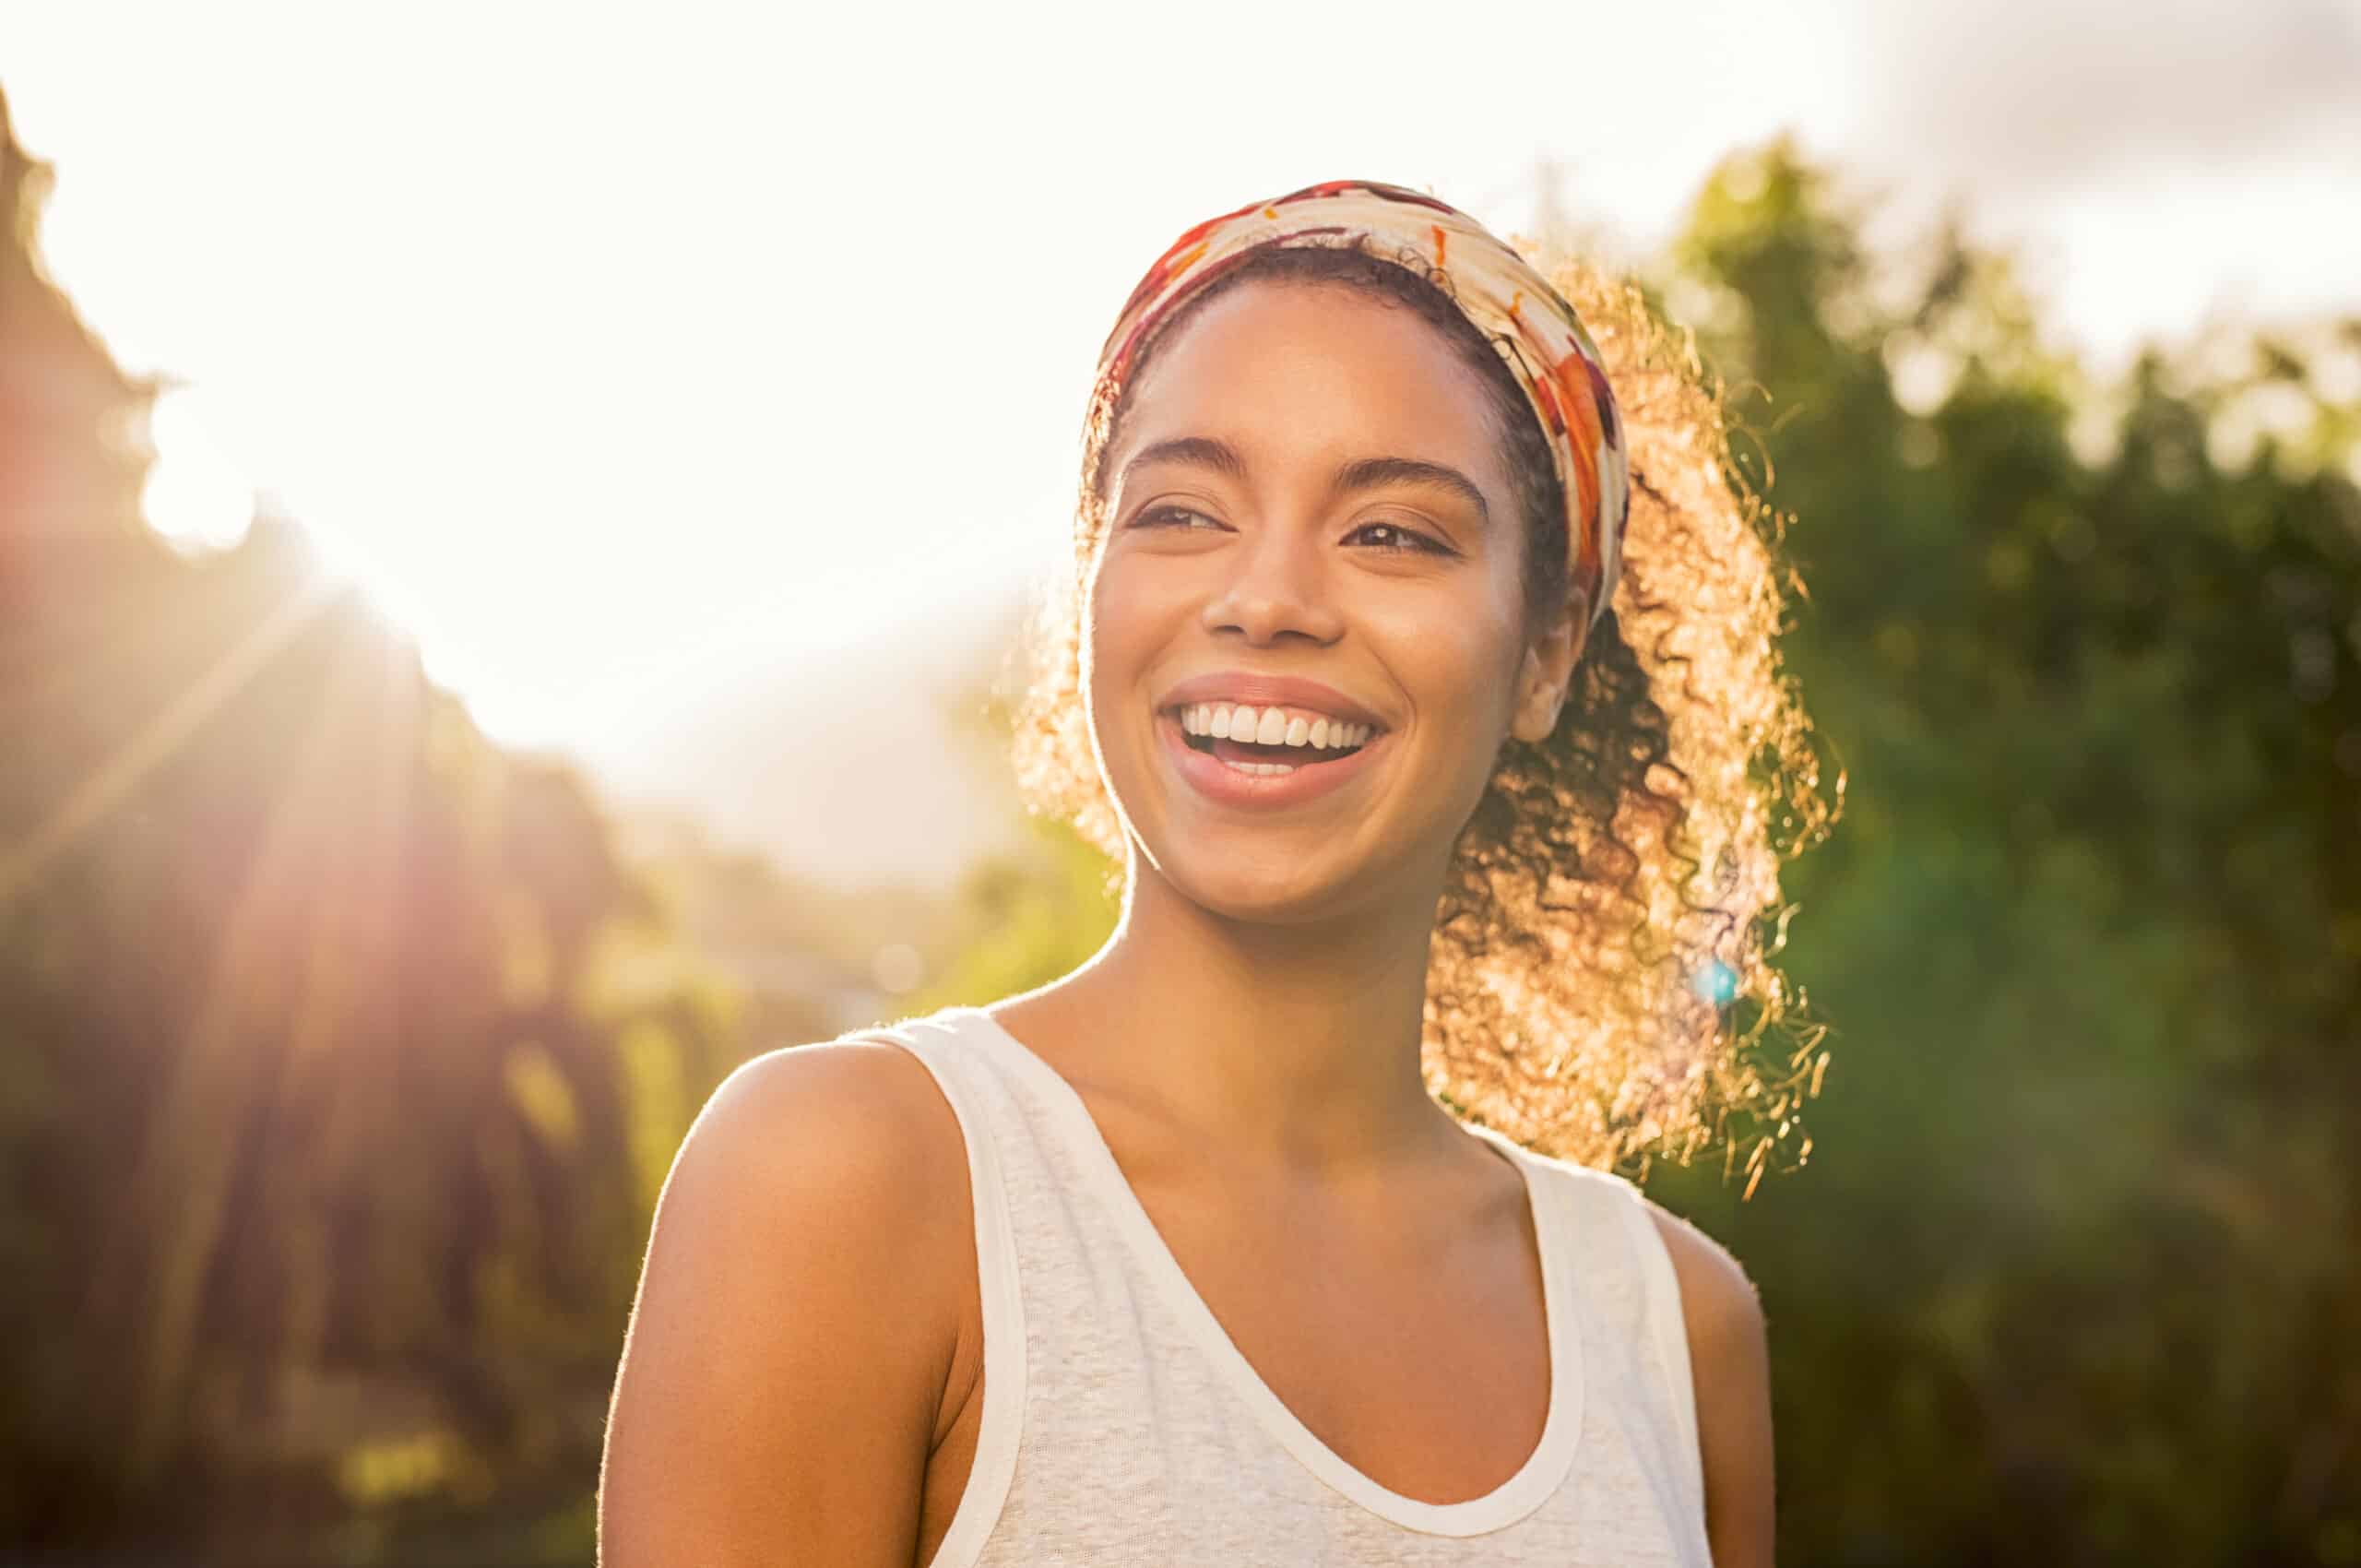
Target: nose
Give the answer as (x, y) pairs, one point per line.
(1275, 588)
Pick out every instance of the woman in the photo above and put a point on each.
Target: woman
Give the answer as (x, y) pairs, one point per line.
(1444, 836)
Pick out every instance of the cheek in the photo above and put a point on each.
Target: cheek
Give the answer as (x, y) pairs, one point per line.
(1476, 717)
(1127, 613)
(1118, 596)
(1451, 661)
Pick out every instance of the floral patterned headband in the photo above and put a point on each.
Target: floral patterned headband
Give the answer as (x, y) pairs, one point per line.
(1531, 324)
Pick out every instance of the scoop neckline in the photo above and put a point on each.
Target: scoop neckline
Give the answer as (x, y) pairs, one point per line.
(1544, 1468)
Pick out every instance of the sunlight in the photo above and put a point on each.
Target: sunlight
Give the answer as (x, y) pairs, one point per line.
(88, 803)
(197, 497)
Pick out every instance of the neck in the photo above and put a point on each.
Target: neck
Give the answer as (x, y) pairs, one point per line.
(1294, 1044)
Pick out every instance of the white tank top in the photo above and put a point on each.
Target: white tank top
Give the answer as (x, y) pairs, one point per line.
(1121, 1424)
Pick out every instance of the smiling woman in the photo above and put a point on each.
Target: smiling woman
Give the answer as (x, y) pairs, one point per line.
(1419, 671)
(1597, 938)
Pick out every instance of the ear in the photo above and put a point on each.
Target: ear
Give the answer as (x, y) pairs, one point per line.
(1548, 670)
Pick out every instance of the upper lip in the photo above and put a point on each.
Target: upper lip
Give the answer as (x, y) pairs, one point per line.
(1237, 686)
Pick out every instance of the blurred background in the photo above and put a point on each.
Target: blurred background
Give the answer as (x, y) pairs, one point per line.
(512, 522)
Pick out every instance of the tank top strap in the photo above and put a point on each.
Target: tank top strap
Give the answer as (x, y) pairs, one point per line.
(1002, 1182)
(1632, 1299)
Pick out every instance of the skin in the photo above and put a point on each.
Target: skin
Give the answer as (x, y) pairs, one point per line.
(1248, 1040)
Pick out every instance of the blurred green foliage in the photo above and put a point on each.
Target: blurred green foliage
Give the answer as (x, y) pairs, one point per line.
(2071, 1275)
(343, 1053)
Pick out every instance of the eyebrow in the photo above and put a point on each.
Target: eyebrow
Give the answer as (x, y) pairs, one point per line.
(1363, 473)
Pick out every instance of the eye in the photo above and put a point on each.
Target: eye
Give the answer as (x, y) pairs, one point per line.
(1402, 539)
(1169, 517)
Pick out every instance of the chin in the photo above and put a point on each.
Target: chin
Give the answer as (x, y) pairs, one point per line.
(1260, 890)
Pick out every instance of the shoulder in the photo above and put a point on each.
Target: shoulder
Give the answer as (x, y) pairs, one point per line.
(1719, 1300)
(818, 1180)
(852, 1134)
(1719, 1304)
(765, 1407)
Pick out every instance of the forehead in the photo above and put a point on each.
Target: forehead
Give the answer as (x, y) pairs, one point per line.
(1316, 370)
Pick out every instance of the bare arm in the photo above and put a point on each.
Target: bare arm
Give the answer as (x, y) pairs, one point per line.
(787, 1357)
(1729, 1362)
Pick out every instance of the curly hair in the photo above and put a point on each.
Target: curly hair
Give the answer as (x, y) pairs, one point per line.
(1600, 983)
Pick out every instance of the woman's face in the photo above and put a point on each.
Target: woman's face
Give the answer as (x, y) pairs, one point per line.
(1306, 488)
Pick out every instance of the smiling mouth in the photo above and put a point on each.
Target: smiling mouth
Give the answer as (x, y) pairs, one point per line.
(1253, 755)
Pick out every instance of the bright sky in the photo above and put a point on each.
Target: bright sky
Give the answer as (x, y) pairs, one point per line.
(634, 356)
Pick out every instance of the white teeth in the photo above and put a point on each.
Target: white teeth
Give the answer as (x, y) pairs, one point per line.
(1272, 727)
(1265, 768)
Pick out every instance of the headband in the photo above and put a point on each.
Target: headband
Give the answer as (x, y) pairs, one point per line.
(1529, 322)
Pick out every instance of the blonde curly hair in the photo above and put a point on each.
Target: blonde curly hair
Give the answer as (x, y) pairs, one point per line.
(1600, 984)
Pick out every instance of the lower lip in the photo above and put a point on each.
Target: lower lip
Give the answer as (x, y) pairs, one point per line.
(1216, 781)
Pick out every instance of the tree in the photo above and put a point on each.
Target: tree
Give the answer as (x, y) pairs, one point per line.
(2070, 1276)
(318, 1107)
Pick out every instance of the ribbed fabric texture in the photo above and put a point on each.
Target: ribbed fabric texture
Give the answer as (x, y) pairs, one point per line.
(1120, 1425)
